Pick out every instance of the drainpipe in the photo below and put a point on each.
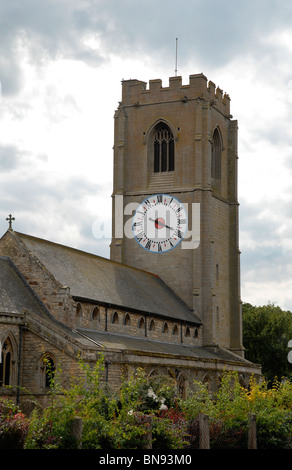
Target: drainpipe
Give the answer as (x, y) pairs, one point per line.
(21, 327)
(107, 363)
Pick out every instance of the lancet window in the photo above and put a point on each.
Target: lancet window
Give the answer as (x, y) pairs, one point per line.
(216, 156)
(6, 363)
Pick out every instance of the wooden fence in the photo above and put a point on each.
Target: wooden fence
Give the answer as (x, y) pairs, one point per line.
(204, 432)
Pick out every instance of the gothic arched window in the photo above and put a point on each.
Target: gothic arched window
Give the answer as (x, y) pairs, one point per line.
(152, 325)
(165, 328)
(47, 370)
(78, 310)
(95, 314)
(127, 320)
(182, 386)
(175, 330)
(115, 318)
(163, 148)
(6, 363)
(141, 323)
(216, 156)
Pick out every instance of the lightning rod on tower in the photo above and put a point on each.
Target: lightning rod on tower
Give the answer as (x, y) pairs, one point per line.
(176, 41)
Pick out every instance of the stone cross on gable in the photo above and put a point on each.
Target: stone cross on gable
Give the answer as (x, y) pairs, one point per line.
(10, 218)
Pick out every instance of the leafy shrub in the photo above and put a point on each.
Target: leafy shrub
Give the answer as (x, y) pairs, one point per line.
(13, 426)
(233, 436)
(228, 413)
(120, 420)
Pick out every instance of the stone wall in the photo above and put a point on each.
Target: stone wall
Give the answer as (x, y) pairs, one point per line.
(205, 278)
(56, 297)
(124, 322)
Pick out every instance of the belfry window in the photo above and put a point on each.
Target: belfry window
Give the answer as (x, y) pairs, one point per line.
(163, 149)
(216, 156)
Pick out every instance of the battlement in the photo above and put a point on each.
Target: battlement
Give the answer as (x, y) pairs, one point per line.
(136, 93)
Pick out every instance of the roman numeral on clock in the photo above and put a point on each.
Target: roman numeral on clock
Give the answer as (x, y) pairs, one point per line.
(148, 245)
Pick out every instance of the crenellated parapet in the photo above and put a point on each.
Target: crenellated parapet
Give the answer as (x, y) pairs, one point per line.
(136, 92)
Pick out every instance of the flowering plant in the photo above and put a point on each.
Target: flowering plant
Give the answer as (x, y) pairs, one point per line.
(13, 426)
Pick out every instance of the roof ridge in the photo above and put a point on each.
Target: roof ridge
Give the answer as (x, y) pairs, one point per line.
(55, 257)
(86, 253)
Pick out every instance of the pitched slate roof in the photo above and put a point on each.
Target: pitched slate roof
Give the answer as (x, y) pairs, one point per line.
(15, 293)
(92, 277)
(130, 343)
(107, 340)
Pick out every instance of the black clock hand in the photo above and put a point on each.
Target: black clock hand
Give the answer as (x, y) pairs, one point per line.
(161, 223)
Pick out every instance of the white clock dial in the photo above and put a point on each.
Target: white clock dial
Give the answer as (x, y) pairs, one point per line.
(159, 223)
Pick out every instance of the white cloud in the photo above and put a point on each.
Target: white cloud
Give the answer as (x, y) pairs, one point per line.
(61, 65)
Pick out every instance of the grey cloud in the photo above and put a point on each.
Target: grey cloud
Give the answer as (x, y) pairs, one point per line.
(35, 193)
(263, 254)
(14, 158)
(260, 227)
(53, 209)
(46, 30)
(9, 157)
(211, 33)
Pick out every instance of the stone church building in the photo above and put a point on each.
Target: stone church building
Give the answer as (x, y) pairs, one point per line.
(168, 299)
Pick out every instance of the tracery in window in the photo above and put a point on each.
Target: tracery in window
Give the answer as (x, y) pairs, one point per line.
(216, 156)
(6, 363)
(163, 149)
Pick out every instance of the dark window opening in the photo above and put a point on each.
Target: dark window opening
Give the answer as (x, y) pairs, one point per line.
(163, 149)
(141, 323)
(49, 371)
(216, 156)
(6, 364)
(115, 318)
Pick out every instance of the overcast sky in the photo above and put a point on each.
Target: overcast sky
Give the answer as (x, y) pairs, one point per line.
(61, 66)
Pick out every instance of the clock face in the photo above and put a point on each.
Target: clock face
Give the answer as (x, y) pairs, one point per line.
(159, 223)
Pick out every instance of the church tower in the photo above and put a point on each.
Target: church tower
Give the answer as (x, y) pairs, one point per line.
(175, 150)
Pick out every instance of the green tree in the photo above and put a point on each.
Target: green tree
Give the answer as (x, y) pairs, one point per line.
(266, 332)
